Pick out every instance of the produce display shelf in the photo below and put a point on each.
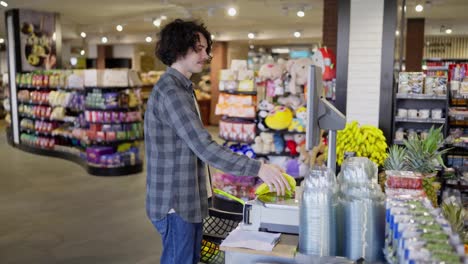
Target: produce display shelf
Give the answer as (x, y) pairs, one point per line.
(239, 92)
(420, 120)
(421, 96)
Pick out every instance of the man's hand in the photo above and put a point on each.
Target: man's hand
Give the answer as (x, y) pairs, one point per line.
(272, 176)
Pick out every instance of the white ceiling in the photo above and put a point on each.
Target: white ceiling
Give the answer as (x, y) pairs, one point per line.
(269, 19)
(274, 21)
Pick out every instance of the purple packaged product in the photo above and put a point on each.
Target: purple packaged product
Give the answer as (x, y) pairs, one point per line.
(107, 117)
(115, 116)
(123, 117)
(93, 154)
(106, 128)
(100, 116)
(110, 100)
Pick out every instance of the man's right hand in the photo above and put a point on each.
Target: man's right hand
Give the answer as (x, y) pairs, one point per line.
(272, 176)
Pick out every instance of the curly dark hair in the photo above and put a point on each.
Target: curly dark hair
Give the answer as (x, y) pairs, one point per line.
(177, 37)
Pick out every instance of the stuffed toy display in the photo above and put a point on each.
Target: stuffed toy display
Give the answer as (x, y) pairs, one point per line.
(299, 122)
(264, 143)
(291, 145)
(243, 149)
(279, 118)
(325, 59)
(298, 71)
(271, 74)
(264, 108)
(292, 101)
(279, 143)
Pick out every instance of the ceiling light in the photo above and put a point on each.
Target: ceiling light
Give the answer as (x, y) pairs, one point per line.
(419, 8)
(54, 36)
(280, 50)
(119, 28)
(448, 31)
(297, 34)
(73, 61)
(82, 52)
(251, 46)
(3, 3)
(251, 35)
(212, 36)
(104, 39)
(83, 35)
(2, 41)
(300, 13)
(163, 17)
(149, 39)
(157, 22)
(232, 11)
(397, 33)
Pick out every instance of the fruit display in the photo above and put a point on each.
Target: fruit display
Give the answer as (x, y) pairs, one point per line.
(365, 141)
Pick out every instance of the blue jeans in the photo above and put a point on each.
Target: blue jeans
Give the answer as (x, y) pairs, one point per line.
(181, 240)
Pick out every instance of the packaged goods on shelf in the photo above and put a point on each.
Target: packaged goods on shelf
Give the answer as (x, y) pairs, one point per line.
(411, 82)
(241, 187)
(417, 233)
(109, 157)
(112, 116)
(37, 141)
(236, 105)
(237, 131)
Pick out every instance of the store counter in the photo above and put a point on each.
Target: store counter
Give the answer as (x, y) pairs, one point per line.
(283, 253)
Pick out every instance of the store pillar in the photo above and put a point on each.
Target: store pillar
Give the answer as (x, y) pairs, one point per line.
(330, 24)
(414, 44)
(219, 62)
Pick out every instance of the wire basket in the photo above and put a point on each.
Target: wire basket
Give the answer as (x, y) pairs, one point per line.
(216, 227)
(210, 253)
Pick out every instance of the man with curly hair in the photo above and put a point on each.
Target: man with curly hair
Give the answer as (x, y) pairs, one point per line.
(178, 148)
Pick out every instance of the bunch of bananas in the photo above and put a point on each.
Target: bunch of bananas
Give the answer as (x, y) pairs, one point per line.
(366, 141)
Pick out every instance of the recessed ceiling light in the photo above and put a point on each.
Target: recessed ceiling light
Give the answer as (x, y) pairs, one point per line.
(397, 32)
(104, 39)
(163, 17)
(251, 35)
(3, 3)
(251, 46)
(212, 36)
(82, 52)
(149, 39)
(448, 31)
(54, 36)
(232, 11)
(157, 22)
(297, 34)
(2, 41)
(119, 27)
(300, 13)
(419, 8)
(83, 35)
(73, 61)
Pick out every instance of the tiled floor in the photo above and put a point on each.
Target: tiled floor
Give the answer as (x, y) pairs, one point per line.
(52, 211)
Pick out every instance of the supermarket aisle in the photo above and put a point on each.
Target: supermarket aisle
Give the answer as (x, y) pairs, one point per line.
(53, 212)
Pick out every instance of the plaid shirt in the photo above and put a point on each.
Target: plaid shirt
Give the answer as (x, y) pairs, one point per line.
(177, 147)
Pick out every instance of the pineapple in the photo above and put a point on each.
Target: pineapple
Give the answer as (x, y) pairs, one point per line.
(423, 156)
(396, 159)
(455, 214)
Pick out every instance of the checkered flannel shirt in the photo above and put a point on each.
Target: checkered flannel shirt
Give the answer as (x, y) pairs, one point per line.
(177, 148)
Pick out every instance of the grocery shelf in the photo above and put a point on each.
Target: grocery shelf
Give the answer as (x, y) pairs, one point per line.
(236, 141)
(421, 96)
(29, 87)
(113, 142)
(239, 92)
(46, 119)
(34, 103)
(110, 89)
(117, 109)
(117, 171)
(437, 68)
(284, 131)
(37, 133)
(115, 123)
(420, 120)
